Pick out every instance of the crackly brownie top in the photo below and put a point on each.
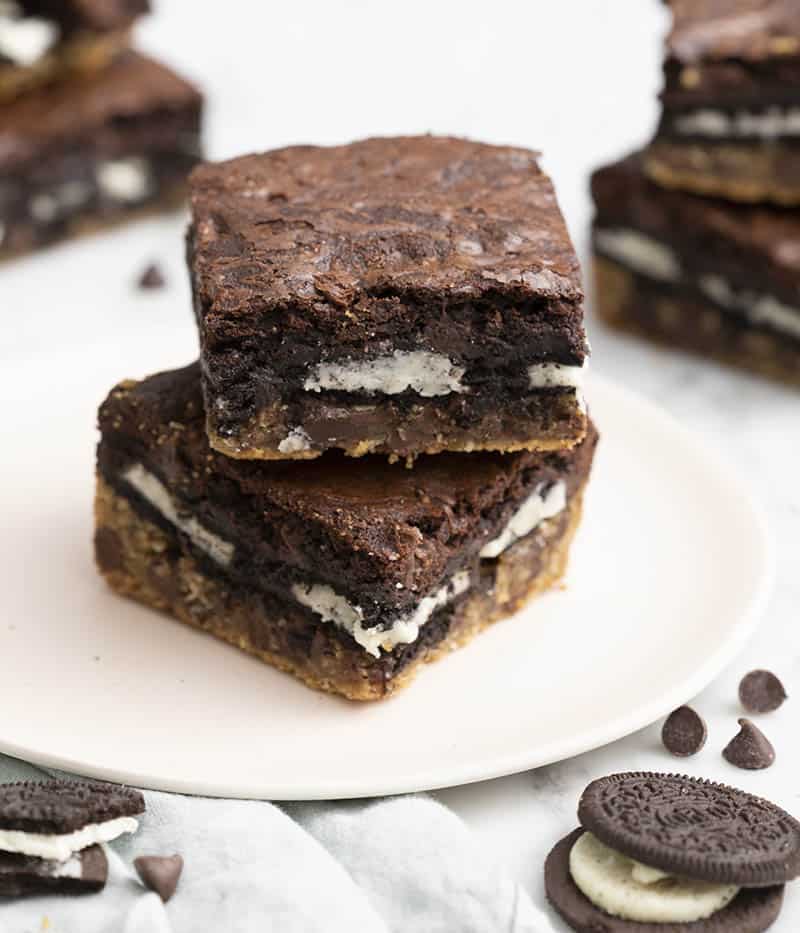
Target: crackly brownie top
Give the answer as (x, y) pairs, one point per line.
(752, 237)
(715, 30)
(73, 110)
(326, 229)
(396, 523)
(87, 14)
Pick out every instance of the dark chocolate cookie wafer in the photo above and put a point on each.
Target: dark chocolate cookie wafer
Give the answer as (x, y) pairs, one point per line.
(82, 873)
(695, 828)
(64, 806)
(753, 910)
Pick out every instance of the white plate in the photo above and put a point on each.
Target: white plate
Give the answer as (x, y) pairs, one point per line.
(669, 574)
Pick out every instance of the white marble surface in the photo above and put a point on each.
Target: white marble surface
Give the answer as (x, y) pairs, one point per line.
(577, 79)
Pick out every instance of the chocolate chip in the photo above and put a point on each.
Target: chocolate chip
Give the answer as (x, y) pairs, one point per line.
(684, 732)
(761, 692)
(750, 748)
(160, 873)
(152, 277)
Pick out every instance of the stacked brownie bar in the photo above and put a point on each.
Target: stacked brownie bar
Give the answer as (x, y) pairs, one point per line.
(697, 237)
(413, 300)
(91, 132)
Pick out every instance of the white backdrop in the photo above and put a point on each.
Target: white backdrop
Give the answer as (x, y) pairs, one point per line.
(577, 79)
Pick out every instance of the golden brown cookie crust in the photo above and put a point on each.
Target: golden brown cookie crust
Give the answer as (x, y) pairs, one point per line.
(140, 562)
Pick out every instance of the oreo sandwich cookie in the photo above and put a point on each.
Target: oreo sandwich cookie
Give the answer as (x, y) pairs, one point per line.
(50, 834)
(661, 853)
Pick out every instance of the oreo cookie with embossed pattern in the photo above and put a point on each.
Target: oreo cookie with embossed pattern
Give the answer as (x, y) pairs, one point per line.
(693, 828)
(753, 910)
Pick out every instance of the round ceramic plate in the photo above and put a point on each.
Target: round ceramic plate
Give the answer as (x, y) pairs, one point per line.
(668, 576)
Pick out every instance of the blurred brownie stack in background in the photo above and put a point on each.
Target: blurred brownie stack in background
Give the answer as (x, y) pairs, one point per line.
(697, 237)
(414, 299)
(91, 132)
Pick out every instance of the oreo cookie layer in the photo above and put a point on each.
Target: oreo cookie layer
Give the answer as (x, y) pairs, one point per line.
(694, 828)
(60, 807)
(82, 873)
(751, 911)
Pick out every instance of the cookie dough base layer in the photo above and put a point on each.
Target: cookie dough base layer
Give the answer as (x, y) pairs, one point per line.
(140, 561)
(83, 53)
(750, 172)
(28, 237)
(753, 910)
(641, 307)
(304, 430)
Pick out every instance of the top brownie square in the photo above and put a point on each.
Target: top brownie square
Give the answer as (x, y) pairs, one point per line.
(727, 54)
(393, 296)
(731, 101)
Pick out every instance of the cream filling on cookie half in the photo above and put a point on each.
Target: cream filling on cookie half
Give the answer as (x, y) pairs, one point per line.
(61, 846)
(655, 260)
(624, 888)
(545, 502)
(770, 124)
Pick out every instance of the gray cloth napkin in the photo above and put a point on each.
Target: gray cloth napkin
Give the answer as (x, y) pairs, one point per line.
(396, 864)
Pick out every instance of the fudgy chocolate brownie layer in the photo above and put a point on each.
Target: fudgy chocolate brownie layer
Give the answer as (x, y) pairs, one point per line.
(153, 565)
(740, 260)
(382, 537)
(94, 149)
(731, 119)
(434, 266)
(680, 318)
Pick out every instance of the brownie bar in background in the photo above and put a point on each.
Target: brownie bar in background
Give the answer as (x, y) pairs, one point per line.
(47, 40)
(731, 119)
(347, 574)
(394, 296)
(710, 276)
(95, 150)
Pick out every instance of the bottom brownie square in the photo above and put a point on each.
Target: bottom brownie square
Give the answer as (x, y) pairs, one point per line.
(715, 278)
(349, 575)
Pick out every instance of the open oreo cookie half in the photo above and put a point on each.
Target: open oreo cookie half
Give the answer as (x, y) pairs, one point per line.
(662, 853)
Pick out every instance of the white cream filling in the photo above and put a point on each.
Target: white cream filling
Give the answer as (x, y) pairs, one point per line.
(25, 39)
(323, 599)
(539, 506)
(60, 847)
(640, 253)
(129, 179)
(71, 868)
(47, 206)
(295, 440)
(429, 374)
(558, 375)
(769, 124)
(759, 309)
(332, 607)
(153, 490)
(626, 889)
